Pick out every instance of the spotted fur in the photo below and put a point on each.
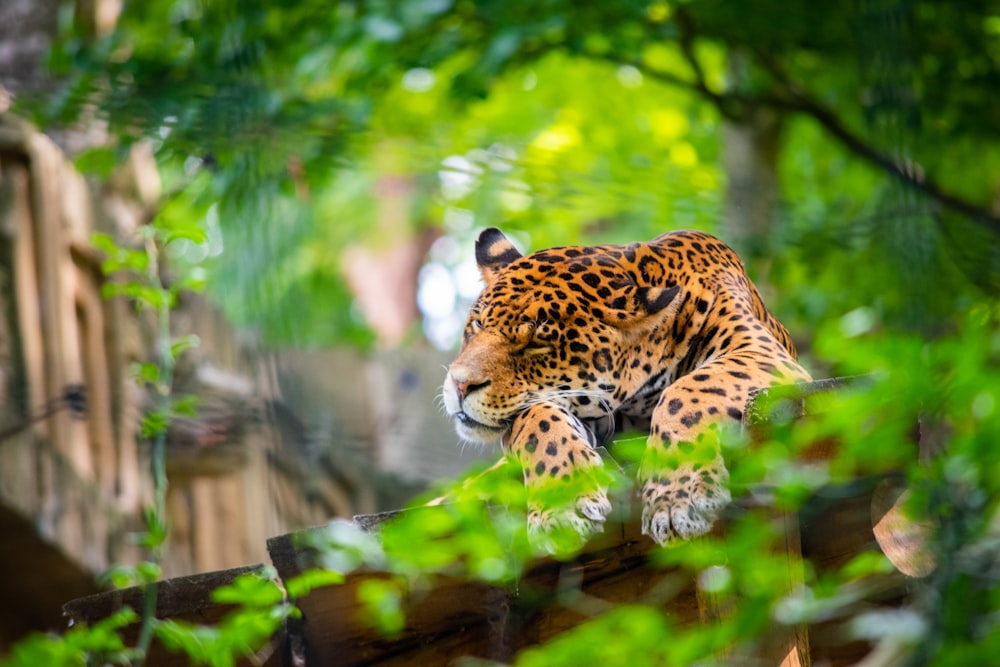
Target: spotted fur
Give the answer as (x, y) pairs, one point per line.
(567, 345)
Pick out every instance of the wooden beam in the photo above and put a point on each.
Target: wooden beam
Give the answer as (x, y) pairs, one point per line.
(448, 617)
(183, 598)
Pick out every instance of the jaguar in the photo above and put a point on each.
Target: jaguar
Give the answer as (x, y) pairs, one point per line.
(566, 346)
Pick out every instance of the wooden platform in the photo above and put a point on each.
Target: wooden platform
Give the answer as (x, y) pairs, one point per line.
(457, 617)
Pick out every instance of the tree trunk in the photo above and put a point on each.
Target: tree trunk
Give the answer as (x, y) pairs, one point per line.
(750, 159)
(751, 148)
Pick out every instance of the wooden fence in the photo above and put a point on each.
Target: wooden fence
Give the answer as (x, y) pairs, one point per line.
(282, 439)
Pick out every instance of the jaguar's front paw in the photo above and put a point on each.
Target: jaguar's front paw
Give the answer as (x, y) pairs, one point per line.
(682, 505)
(557, 529)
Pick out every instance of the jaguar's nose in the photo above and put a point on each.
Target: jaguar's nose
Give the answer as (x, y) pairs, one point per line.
(467, 387)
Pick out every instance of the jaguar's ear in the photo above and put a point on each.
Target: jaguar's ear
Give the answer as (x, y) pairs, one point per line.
(493, 252)
(644, 307)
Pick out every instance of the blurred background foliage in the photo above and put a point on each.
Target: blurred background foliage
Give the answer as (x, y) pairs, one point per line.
(849, 152)
(568, 124)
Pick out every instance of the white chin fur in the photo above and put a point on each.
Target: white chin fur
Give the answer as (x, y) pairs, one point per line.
(478, 434)
(468, 428)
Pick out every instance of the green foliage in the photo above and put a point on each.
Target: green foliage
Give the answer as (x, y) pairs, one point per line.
(596, 123)
(261, 609)
(123, 576)
(120, 258)
(260, 606)
(951, 380)
(311, 579)
(457, 539)
(254, 590)
(589, 148)
(72, 648)
(382, 602)
(625, 636)
(572, 122)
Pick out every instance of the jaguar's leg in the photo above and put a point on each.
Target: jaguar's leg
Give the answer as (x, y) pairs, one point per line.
(684, 481)
(565, 481)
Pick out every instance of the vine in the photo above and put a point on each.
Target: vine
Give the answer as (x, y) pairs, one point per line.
(144, 268)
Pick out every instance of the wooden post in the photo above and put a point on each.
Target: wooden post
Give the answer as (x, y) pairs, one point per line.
(57, 286)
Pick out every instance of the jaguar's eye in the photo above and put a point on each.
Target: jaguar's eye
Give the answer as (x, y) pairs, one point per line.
(476, 326)
(536, 347)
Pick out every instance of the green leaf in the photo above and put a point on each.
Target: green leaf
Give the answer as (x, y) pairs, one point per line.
(118, 257)
(188, 231)
(311, 579)
(146, 372)
(104, 242)
(383, 601)
(182, 343)
(154, 423)
(118, 575)
(253, 590)
(150, 296)
(148, 571)
(99, 161)
(156, 530)
(865, 564)
(73, 648)
(626, 636)
(199, 643)
(186, 405)
(196, 281)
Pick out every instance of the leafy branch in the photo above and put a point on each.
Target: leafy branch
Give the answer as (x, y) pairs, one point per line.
(735, 106)
(146, 286)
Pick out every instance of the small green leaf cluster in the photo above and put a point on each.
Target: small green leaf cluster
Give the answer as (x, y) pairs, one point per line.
(138, 267)
(123, 576)
(78, 646)
(261, 608)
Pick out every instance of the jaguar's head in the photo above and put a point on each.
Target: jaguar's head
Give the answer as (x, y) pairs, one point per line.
(564, 326)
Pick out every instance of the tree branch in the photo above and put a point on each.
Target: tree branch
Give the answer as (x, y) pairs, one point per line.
(685, 38)
(797, 100)
(733, 106)
(908, 173)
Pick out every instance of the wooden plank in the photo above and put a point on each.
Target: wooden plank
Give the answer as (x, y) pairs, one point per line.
(183, 598)
(459, 617)
(100, 412)
(833, 527)
(38, 575)
(56, 289)
(451, 617)
(788, 646)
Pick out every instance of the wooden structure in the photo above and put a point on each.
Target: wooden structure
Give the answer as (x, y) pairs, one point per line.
(459, 617)
(66, 485)
(281, 441)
